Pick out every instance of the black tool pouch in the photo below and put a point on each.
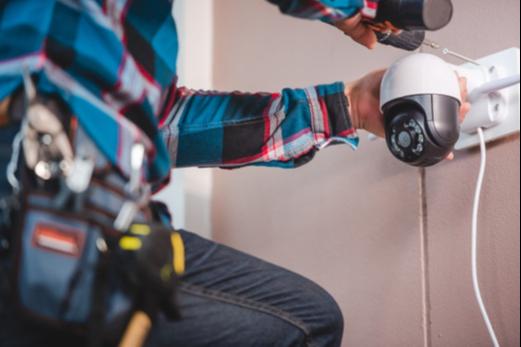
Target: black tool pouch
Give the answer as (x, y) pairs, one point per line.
(70, 269)
(58, 259)
(66, 274)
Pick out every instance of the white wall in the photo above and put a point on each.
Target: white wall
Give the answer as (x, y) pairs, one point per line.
(188, 196)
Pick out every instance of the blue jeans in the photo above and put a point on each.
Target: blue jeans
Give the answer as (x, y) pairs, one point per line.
(227, 299)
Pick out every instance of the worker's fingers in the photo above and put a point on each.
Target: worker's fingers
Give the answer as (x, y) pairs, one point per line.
(464, 88)
(347, 25)
(465, 106)
(451, 156)
(465, 109)
(359, 31)
(365, 36)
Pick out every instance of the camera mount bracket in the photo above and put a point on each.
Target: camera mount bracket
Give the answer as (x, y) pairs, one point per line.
(495, 96)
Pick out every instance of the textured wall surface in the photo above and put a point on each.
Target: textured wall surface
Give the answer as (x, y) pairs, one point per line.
(392, 245)
(479, 28)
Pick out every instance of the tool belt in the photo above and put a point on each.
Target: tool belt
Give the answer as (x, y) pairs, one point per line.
(87, 250)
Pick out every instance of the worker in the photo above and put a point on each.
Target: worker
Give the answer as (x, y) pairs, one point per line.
(121, 55)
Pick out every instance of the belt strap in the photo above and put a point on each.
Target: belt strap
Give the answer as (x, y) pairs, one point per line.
(8, 206)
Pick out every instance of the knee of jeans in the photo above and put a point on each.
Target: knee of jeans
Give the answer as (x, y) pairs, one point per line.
(336, 319)
(329, 328)
(279, 333)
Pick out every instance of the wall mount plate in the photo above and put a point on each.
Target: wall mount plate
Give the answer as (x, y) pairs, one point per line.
(497, 113)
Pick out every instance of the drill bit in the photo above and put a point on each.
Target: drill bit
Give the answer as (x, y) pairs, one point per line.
(447, 51)
(434, 45)
(431, 44)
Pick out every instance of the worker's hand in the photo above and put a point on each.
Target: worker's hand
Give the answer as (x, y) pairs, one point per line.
(358, 30)
(364, 103)
(363, 32)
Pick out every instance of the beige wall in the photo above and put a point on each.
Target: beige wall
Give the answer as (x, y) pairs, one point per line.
(390, 244)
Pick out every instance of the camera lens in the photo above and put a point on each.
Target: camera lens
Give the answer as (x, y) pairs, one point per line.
(404, 139)
(405, 136)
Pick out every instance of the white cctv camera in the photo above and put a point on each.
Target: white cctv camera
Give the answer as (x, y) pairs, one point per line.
(420, 100)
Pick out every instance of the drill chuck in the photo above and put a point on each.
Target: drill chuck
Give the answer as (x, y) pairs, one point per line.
(407, 40)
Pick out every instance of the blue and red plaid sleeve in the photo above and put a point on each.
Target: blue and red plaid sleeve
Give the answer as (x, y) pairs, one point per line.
(236, 129)
(324, 10)
(284, 129)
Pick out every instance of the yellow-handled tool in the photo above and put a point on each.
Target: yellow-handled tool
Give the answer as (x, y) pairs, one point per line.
(140, 324)
(137, 330)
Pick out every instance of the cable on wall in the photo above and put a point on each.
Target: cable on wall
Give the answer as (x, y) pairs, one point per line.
(475, 214)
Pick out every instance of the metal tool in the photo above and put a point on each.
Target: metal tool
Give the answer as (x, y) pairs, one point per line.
(47, 149)
(139, 193)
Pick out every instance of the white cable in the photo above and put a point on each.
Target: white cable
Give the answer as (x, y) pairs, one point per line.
(475, 212)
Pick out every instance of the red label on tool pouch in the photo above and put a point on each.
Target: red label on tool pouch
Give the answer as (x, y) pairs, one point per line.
(59, 240)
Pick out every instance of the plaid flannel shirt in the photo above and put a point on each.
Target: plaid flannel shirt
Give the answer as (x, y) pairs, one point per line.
(114, 63)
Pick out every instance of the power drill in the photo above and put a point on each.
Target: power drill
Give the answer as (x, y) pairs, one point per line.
(413, 17)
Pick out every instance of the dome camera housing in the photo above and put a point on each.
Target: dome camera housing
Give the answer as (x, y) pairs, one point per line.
(420, 100)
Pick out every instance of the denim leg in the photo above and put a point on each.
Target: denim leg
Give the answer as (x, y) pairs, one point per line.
(232, 299)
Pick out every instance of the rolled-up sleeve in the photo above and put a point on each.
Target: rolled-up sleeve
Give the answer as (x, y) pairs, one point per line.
(319, 10)
(237, 129)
